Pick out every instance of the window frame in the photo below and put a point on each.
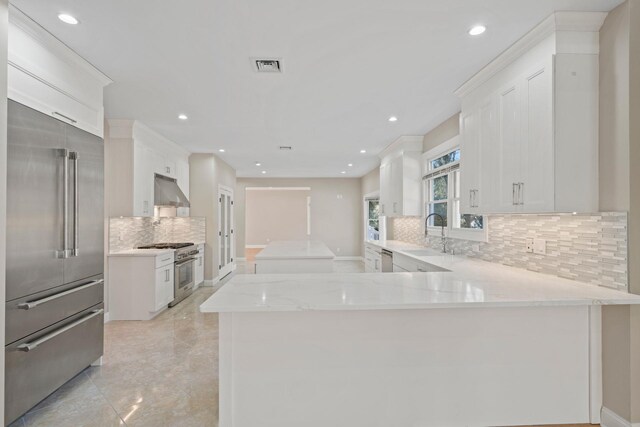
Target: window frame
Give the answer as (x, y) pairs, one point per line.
(478, 235)
(365, 216)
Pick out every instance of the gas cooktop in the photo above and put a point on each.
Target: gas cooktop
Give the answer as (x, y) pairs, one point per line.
(166, 246)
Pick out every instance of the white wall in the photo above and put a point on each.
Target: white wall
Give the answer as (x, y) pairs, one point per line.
(206, 172)
(275, 215)
(4, 24)
(336, 211)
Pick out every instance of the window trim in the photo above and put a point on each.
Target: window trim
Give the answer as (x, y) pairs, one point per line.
(450, 231)
(375, 195)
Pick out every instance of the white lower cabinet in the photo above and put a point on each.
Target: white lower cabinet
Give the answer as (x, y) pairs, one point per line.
(140, 286)
(372, 259)
(199, 266)
(405, 263)
(164, 286)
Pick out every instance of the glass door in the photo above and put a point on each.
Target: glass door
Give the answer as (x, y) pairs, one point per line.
(225, 231)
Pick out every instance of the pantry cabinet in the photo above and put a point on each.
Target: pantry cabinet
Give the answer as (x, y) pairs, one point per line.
(529, 123)
(400, 180)
(44, 74)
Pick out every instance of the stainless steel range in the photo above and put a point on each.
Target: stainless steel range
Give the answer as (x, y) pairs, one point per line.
(184, 265)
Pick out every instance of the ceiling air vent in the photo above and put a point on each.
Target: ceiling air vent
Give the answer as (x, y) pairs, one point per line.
(285, 147)
(268, 65)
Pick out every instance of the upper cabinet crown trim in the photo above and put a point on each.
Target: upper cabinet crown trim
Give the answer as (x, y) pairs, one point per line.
(45, 38)
(585, 22)
(404, 143)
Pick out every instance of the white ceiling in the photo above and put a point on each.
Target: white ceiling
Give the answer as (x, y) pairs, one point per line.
(348, 66)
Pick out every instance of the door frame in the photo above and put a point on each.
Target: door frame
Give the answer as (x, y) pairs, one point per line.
(228, 268)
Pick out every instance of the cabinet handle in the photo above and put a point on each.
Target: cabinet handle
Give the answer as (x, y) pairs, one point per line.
(376, 267)
(166, 275)
(470, 198)
(475, 198)
(382, 208)
(514, 190)
(394, 206)
(167, 169)
(64, 117)
(521, 192)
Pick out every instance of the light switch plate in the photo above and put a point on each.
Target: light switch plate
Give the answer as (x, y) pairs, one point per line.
(540, 246)
(529, 245)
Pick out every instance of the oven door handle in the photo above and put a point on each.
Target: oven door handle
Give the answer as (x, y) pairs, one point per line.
(184, 261)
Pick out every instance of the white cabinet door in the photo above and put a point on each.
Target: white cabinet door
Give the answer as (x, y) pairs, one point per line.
(143, 181)
(385, 189)
(164, 286)
(537, 163)
(469, 160)
(509, 148)
(396, 189)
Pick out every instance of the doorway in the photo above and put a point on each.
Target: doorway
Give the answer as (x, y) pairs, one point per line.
(226, 262)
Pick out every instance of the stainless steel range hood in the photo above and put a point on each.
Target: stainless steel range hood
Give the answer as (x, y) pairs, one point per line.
(167, 193)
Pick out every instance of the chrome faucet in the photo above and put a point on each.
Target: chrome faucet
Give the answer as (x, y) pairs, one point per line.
(426, 230)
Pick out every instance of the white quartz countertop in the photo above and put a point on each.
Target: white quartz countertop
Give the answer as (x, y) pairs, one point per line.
(142, 252)
(469, 283)
(295, 249)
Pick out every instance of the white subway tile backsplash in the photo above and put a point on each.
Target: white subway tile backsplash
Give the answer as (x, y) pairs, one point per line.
(131, 232)
(585, 247)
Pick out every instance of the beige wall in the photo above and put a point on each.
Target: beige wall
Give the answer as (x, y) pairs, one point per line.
(206, 173)
(441, 133)
(371, 182)
(619, 190)
(4, 24)
(275, 215)
(336, 210)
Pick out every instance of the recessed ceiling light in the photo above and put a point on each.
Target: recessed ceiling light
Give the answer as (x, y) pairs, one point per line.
(258, 163)
(476, 30)
(183, 117)
(393, 119)
(363, 151)
(343, 172)
(68, 19)
(221, 150)
(264, 171)
(350, 164)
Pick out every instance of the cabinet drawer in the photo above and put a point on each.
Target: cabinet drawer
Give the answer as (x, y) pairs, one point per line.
(163, 260)
(40, 363)
(29, 314)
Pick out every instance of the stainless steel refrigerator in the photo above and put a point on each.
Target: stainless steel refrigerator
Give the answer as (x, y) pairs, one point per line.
(55, 223)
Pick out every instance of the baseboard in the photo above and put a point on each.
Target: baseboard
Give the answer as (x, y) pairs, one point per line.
(210, 283)
(106, 317)
(349, 258)
(255, 246)
(608, 418)
(241, 259)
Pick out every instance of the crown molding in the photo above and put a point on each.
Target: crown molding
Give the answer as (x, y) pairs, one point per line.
(402, 144)
(587, 22)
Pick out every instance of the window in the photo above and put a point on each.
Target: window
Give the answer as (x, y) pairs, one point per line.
(442, 197)
(372, 218)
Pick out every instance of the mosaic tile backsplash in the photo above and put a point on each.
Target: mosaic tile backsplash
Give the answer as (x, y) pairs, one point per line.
(131, 232)
(585, 247)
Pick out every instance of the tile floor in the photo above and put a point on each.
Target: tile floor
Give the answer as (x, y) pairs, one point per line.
(159, 373)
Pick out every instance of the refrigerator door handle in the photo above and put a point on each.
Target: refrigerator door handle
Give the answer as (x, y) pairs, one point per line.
(76, 250)
(33, 304)
(64, 253)
(28, 346)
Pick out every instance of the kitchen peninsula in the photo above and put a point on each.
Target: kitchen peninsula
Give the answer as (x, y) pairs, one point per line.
(472, 346)
(295, 256)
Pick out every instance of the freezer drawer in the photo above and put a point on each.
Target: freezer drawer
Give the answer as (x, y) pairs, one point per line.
(40, 363)
(27, 315)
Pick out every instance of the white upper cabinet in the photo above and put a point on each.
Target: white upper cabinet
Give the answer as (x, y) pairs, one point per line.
(134, 154)
(400, 179)
(46, 75)
(529, 122)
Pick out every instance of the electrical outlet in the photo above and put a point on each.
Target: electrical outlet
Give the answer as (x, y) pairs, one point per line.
(529, 245)
(540, 246)
(338, 250)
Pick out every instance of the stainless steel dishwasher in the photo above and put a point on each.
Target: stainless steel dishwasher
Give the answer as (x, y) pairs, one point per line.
(387, 261)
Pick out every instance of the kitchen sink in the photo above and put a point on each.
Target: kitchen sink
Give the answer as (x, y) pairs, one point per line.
(422, 252)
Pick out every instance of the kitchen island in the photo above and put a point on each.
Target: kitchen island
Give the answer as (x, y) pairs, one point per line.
(482, 344)
(295, 256)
